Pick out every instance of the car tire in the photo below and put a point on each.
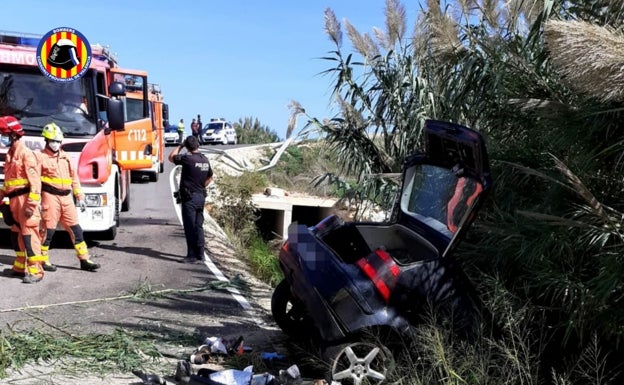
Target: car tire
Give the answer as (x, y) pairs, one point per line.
(108, 235)
(357, 362)
(289, 313)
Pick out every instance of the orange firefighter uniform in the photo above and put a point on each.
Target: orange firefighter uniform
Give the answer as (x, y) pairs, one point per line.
(22, 185)
(59, 185)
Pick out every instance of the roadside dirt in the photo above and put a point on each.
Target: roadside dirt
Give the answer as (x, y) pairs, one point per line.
(248, 317)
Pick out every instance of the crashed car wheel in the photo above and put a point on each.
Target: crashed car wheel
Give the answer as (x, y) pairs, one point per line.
(356, 363)
(288, 312)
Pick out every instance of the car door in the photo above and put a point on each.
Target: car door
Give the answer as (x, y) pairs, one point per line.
(133, 146)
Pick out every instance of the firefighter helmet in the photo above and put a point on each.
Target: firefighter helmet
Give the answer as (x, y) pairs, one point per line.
(10, 125)
(52, 132)
(63, 55)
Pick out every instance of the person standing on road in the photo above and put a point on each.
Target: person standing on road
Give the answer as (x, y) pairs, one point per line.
(196, 175)
(199, 128)
(181, 130)
(22, 185)
(60, 185)
(195, 129)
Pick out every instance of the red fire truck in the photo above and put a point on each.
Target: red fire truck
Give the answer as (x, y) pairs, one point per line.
(103, 142)
(155, 114)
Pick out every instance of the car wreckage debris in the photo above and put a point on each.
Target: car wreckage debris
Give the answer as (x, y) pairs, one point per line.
(192, 372)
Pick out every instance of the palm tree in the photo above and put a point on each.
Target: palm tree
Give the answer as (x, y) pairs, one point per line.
(251, 131)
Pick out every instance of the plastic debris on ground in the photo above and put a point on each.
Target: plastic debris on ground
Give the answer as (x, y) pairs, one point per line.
(219, 346)
(270, 356)
(197, 371)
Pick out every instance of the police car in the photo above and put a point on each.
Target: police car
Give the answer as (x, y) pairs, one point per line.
(171, 135)
(218, 131)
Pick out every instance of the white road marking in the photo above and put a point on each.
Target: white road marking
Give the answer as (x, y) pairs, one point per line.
(173, 184)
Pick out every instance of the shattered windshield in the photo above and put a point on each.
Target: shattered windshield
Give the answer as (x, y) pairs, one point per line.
(37, 101)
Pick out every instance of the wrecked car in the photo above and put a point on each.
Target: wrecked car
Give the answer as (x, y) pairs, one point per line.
(342, 279)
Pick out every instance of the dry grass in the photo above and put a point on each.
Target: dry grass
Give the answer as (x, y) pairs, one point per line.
(590, 57)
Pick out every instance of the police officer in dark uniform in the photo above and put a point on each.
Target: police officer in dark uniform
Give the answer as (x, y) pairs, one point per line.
(196, 175)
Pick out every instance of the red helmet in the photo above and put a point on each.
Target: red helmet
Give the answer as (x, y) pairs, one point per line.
(9, 124)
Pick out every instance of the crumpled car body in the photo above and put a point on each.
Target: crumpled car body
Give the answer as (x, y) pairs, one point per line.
(341, 278)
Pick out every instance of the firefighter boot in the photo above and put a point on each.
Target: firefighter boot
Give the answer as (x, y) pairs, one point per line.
(88, 265)
(34, 271)
(32, 278)
(47, 266)
(83, 255)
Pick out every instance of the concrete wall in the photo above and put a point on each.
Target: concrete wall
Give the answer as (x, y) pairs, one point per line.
(280, 212)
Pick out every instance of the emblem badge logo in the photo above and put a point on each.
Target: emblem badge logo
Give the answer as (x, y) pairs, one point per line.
(63, 54)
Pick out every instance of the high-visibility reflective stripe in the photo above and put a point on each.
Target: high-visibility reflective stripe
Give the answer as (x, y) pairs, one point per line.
(16, 182)
(34, 196)
(32, 268)
(81, 248)
(77, 191)
(132, 155)
(47, 179)
(36, 258)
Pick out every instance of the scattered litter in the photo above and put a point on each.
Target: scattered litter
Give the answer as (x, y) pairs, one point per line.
(197, 370)
(218, 345)
(290, 376)
(270, 356)
(149, 379)
(228, 377)
(247, 377)
(183, 372)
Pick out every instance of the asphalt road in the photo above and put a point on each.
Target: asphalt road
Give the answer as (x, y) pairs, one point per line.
(145, 254)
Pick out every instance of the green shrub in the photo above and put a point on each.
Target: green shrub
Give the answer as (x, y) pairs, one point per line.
(264, 262)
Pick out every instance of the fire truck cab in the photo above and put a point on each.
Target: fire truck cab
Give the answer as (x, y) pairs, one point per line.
(93, 113)
(147, 116)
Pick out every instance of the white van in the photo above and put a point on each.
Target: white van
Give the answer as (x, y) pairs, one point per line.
(218, 131)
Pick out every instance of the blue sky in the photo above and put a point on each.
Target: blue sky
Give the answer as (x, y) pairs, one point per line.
(229, 59)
